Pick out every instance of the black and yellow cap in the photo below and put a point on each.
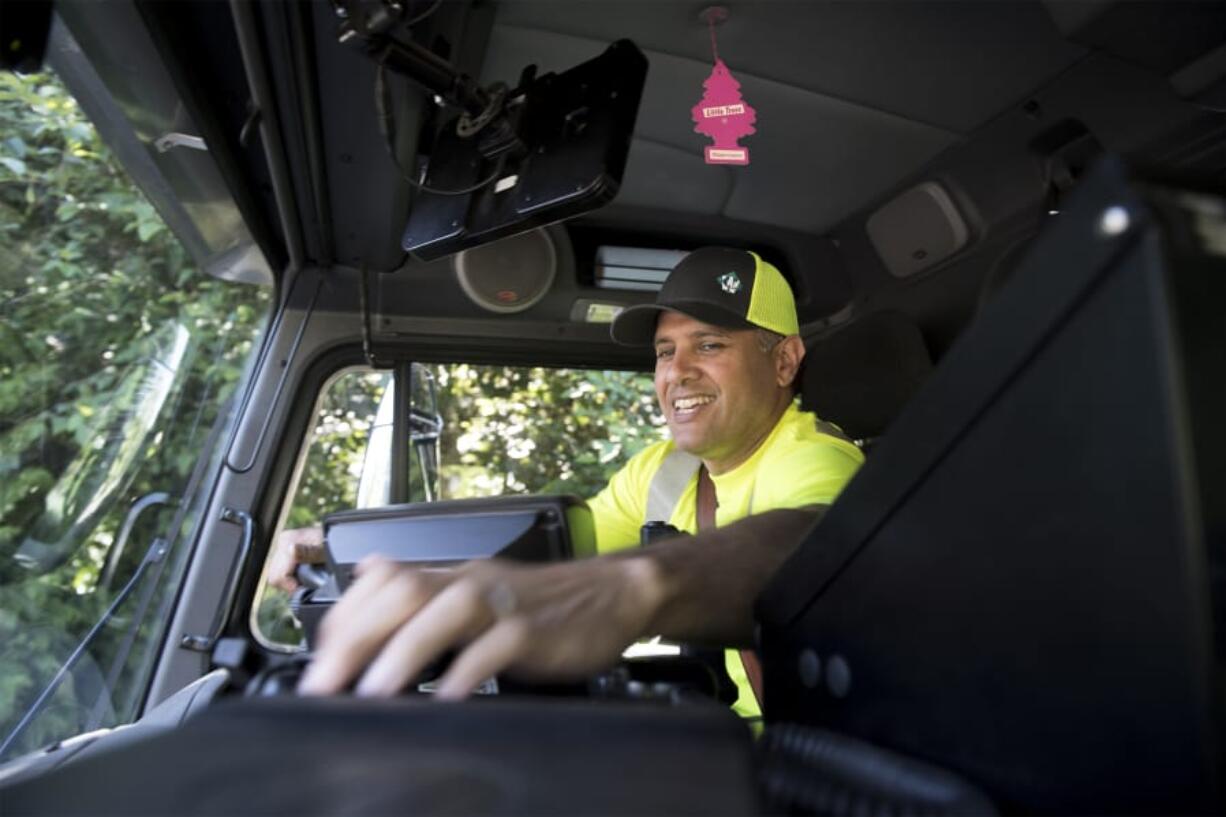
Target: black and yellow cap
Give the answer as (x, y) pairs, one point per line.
(720, 286)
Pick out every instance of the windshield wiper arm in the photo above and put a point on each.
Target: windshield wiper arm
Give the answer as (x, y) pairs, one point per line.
(157, 552)
(116, 552)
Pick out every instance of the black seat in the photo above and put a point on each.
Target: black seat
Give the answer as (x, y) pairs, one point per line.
(860, 376)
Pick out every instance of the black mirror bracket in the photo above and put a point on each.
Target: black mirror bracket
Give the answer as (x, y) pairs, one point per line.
(369, 32)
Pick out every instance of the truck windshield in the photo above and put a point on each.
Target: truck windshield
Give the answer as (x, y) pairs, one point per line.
(118, 357)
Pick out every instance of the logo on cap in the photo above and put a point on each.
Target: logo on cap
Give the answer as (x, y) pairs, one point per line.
(729, 282)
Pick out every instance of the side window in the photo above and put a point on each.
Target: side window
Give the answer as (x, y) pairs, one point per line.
(472, 431)
(348, 461)
(118, 359)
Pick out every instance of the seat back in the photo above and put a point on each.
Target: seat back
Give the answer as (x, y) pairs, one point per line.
(862, 375)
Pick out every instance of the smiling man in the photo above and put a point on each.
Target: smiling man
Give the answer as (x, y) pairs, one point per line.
(728, 351)
(744, 465)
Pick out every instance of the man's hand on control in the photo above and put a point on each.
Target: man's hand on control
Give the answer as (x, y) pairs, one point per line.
(294, 547)
(554, 621)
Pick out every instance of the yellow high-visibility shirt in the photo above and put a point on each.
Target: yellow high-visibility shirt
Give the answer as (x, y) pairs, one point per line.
(797, 465)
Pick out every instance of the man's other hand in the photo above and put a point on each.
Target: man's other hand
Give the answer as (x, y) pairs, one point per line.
(294, 547)
(561, 621)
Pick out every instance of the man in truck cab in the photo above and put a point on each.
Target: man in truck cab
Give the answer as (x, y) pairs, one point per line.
(726, 338)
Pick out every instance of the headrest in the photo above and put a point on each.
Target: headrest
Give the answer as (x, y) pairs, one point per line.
(862, 375)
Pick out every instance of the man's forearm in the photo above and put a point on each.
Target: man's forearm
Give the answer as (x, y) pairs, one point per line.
(564, 620)
(704, 587)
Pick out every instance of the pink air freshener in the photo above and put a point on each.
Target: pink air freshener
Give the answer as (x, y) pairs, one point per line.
(722, 114)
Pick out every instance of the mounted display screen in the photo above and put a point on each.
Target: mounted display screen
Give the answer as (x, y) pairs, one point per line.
(444, 534)
(563, 154)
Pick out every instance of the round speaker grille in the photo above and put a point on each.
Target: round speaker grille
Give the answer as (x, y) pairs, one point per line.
(508, 275)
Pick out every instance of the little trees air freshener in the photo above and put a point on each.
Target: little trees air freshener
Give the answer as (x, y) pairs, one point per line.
(722, 114)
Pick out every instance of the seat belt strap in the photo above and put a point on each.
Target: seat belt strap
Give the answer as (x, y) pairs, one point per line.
(707, 504)
(832, 430)
(671, 478)
(668, 484)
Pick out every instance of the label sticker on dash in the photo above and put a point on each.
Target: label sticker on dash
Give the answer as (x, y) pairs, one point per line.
(603, 313)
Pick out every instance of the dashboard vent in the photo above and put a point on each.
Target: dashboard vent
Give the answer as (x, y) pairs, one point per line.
(634, 268)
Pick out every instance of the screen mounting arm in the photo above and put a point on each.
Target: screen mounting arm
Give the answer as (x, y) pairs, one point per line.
(367, 28)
